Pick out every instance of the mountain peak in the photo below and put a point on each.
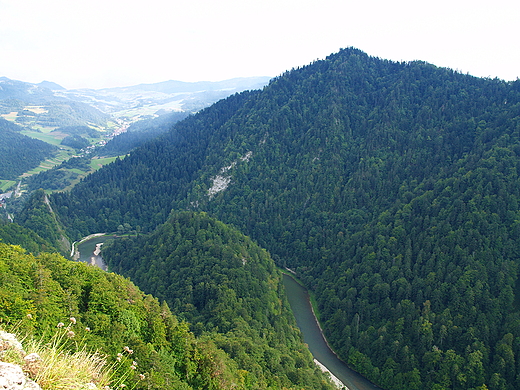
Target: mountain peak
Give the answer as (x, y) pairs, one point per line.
(51, 85)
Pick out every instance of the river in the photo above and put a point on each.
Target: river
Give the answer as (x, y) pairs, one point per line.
(301, 306)
(89, 252)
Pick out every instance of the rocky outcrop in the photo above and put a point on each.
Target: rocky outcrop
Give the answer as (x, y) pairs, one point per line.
(12, 376)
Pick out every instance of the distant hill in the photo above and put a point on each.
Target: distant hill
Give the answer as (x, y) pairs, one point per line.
(54, 106)
(37, 105)
(149, 99)
(391, 188)
(172, 86)
(27, 92)
(50, 85)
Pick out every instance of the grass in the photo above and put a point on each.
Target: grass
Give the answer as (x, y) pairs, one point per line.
(6, 184)
(64, 363)
(97, 163)
(46, 135)
(63, 154)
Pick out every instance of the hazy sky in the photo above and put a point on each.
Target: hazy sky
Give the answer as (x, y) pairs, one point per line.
(101, 43)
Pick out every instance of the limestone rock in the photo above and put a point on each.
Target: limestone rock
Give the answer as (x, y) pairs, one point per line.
(13, 378)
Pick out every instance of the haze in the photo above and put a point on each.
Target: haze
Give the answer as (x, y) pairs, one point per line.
(105, 43)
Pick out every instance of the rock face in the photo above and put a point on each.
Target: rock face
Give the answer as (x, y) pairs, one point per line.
(13, 378)
(9, 341)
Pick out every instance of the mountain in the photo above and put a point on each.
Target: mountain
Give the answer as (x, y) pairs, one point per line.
(57, 106)
(172, 86)
(51, 85)
(245, 335)
(27, 92)
(390, 188)
(217, 279)
(129, 116)
(37, 105)
(39, 217)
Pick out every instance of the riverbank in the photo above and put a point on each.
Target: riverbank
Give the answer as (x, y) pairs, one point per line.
(339, 384)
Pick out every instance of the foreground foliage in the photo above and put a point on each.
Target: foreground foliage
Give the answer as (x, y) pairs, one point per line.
(111, 316)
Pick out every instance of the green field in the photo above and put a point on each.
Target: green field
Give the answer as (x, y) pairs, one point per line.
(46, 135)
(50, 136)
(97, 163)
(6, 185)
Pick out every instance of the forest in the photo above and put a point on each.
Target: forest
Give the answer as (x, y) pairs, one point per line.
(19, 153)
(111, 315)
(390, 188)
(227, 288)
(253, 344)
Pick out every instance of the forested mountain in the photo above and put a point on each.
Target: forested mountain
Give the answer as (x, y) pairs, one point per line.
(391, 188)
(246, 337)
(14, 234)
(229, 290)
(19, 153)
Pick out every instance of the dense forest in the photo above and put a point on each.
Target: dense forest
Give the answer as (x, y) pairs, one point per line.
(19, 153)
(253, 344)
(228, 288)
(38, 216)
(111, 315)
(14, 234)
(391, 188)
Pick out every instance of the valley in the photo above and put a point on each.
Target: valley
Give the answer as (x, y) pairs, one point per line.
(391, 189)
(47, 114)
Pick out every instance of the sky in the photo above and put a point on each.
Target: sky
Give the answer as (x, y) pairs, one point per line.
(109, 43)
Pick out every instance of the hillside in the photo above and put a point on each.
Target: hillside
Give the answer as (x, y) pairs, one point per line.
(228, 289)
(39, 217)
(19, 153)
(390, 188)
(246, 337)
(81, 121)
(168, 96)
(107, 314)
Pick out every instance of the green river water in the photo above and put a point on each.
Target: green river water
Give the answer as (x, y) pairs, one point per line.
(301, 306)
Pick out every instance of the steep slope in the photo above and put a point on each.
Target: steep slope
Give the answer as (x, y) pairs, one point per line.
(39, 217)
(228, 288)
(111, 315)
(14, 234)
(391, 188)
